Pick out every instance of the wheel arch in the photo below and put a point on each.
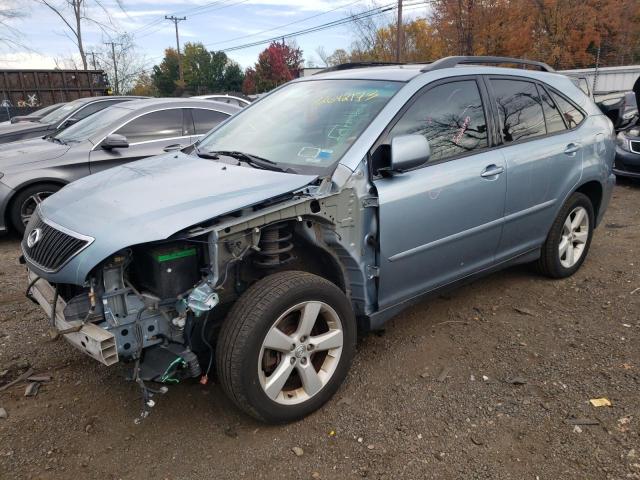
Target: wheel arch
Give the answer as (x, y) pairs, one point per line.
(29, 183)
(594, 191)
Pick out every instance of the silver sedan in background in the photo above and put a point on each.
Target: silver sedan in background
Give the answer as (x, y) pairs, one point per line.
(33, 169)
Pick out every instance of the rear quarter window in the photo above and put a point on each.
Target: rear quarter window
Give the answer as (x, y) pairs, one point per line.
(571, 114)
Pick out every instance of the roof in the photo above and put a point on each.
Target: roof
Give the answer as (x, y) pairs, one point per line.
(406, 72)
(104, 97)
(151, 103)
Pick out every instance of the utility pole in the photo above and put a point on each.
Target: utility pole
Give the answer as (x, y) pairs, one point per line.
(93, 59)
(399, 33)
(175, 21)
(115, 65)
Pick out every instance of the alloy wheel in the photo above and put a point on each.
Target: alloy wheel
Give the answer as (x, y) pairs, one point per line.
(575, 233)
(300, 352)
(29, 206)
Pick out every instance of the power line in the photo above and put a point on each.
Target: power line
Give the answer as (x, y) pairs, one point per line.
(198, 10)
(284, 25)
(369, 13)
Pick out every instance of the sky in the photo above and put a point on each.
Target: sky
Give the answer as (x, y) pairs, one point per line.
(218, 24)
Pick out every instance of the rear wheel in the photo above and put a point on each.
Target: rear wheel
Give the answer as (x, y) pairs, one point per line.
(286, 346)
(569, 239)
(26, 201)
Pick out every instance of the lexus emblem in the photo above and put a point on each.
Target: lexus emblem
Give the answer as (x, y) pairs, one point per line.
(34, 237)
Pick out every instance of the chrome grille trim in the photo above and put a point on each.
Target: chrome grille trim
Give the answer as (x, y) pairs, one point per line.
(57, 246)
(634, 145)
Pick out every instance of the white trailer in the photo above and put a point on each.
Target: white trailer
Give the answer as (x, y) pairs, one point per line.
(608, 79)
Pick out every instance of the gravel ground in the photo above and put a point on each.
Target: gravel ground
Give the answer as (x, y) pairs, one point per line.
(486, 382)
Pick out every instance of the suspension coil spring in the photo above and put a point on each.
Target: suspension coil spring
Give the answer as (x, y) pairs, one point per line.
(275, 247)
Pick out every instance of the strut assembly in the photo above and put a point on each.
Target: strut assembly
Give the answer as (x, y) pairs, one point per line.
(275, 246)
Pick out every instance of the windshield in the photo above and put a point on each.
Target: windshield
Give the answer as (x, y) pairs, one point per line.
(86, 127)
(305, 126)
(60, 113)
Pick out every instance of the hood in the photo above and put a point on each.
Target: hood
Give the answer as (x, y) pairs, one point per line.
(22, 152)
(152, 199)
(22, 127)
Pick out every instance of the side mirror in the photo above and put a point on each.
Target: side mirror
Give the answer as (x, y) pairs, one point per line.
(173, 148)
(68, 122)
(114, 141)
(409, 151)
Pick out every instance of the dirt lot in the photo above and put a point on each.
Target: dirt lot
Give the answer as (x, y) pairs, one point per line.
(482, 383)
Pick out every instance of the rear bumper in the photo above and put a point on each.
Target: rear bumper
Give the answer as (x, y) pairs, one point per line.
(89, 339)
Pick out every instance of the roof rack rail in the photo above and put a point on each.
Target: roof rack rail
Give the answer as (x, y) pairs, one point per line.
(350, 65)
(448, 62)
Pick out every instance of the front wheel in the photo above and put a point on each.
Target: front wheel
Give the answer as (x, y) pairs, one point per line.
(26, 202)
(569, 239)
(286, 346)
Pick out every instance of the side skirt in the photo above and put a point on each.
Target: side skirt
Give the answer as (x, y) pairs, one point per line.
(377, 320)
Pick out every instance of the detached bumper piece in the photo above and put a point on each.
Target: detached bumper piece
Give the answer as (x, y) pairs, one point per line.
(90, 339)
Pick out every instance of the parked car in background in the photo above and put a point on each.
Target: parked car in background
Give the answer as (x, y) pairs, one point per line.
(59, 119)
(627, 162)
(226, 98)
(330, 205)
(620, 107)
(34, 116)
(33, 169)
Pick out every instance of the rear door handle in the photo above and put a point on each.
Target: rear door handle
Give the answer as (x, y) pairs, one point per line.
(491, 171)
(572, 148)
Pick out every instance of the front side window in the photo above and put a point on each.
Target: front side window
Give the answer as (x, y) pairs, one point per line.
(154, 126)
(305, 126)
(450, 116)
(519, 109)
(572, 116)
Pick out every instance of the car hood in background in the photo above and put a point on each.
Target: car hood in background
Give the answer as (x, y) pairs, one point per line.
(152, 199)
(23, 127)
(15, 155)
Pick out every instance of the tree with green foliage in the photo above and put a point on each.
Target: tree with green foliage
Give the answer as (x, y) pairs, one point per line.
(165, 76)
(204, 72)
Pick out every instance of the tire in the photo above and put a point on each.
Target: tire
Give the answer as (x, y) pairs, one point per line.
(26, 196)
(246, 367)
(555, 264)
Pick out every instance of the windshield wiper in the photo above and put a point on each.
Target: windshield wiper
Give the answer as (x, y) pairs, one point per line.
(251, 159)
(207, 155)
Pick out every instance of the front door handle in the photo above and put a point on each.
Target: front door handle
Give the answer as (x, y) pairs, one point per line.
(492, 171)
(572, 148)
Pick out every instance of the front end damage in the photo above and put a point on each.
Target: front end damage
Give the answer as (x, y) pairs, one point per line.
(158, 306)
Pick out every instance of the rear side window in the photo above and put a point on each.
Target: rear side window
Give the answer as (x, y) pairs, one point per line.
(572, 116)
(154, 126)
(450, 116)
(552, 114)
(519, 108)
(205, 120)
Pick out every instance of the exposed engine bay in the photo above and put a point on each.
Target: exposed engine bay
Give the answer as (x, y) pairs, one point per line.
(158, 306)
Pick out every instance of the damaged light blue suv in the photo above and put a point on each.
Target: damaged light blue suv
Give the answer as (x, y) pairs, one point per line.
(326, 207)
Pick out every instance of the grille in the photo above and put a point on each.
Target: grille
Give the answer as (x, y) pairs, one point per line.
(54, 247)
(635, 146)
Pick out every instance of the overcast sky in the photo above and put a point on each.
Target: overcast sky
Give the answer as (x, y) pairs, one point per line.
(218, 24)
